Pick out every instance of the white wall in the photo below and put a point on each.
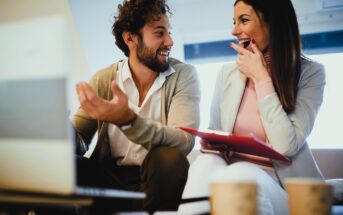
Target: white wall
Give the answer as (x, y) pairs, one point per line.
(202, 20)
(312, 18)
(94, 20)
(193, 21)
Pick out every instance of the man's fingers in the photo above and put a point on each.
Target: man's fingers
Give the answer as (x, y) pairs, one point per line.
(87, 98)
(88, 92)
(79, 92)
(116, 90)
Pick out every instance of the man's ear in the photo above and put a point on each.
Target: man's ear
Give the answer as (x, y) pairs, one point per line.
(129, 38)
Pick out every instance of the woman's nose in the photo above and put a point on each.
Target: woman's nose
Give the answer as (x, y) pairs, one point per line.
(235, 31)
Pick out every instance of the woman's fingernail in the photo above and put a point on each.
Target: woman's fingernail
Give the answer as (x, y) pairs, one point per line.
(253, 41)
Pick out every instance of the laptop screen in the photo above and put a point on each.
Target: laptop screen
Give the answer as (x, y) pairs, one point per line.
(33, 109)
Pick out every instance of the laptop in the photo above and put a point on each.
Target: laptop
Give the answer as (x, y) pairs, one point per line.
(36, 145)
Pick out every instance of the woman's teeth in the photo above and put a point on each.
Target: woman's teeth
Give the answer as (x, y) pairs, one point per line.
(244, 43)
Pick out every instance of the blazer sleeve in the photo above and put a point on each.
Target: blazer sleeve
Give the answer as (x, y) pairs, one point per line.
(183, 110)
(287, 133)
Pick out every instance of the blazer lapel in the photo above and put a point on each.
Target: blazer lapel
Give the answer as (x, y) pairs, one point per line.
(233, 93)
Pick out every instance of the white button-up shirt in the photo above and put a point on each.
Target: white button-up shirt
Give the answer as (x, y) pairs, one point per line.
(128, 152)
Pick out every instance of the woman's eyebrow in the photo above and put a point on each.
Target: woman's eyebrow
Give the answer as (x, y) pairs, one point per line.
(242, 15)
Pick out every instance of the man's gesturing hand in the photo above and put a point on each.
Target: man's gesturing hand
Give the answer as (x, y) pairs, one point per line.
(115, 111)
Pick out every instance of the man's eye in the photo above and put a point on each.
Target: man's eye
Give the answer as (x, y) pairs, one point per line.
(159, 33)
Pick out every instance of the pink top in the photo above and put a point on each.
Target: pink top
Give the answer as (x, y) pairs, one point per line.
(248, 119)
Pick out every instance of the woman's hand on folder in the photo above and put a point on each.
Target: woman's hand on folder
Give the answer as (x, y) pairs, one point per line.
(205, 144)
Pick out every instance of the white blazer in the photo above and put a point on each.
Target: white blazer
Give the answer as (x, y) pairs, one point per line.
(286, 133)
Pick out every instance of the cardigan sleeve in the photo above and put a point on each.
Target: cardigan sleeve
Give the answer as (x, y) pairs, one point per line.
(84, 125)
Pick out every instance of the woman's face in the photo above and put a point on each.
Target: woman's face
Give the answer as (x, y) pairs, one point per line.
(248, 26)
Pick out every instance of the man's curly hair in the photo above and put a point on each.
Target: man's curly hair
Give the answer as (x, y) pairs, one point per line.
(133, 15)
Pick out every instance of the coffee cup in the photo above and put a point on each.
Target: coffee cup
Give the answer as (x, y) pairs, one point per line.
(308, 196)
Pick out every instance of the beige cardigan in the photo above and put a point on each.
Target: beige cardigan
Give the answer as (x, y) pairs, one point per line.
(179, 107)
(286, 133)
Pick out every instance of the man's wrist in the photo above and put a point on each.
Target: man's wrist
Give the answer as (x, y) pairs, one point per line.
(129, 122)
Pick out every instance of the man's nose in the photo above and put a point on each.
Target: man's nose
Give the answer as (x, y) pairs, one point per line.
(168, 41)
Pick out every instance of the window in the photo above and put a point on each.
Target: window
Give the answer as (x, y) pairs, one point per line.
(327, 130)
(207, 76)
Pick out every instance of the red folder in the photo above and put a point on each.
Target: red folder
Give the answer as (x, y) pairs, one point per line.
(238, 143)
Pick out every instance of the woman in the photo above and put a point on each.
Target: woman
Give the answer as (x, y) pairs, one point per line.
(272, 91)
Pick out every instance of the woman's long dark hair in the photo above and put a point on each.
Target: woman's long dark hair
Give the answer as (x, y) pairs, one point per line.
(284, 47)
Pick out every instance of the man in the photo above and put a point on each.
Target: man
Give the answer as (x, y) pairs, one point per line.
(136, 106)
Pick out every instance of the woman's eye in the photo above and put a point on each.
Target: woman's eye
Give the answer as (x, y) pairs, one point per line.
(244, 20)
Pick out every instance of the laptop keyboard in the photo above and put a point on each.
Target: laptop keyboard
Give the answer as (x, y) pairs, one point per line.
(104, 192)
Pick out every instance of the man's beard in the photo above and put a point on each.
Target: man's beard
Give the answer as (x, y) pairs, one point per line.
(149, 58)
